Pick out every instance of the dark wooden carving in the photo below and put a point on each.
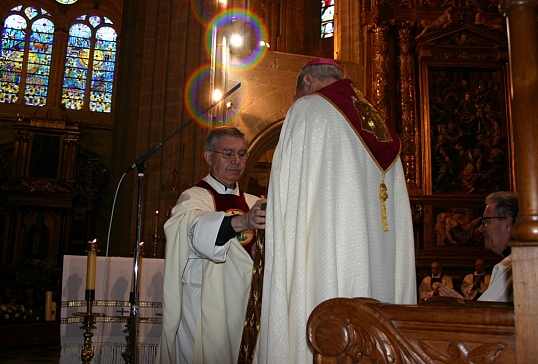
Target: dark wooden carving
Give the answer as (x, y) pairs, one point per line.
(333, 333)
(382, 64)
(407, 91)
(438, 72)
(49, 191)
(468, 123)
(362, 330)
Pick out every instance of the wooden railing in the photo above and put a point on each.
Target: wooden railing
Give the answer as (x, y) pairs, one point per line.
(362, 330)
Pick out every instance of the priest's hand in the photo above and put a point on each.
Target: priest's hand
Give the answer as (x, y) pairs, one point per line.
(253, 219)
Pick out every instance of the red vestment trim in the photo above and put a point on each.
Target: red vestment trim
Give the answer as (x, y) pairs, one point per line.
(379, 138)
(233, 205)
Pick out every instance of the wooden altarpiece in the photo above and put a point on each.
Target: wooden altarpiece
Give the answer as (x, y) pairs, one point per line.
(49, 187)
(438, 71)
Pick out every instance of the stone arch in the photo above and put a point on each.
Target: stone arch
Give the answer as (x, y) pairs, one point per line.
(260, 153)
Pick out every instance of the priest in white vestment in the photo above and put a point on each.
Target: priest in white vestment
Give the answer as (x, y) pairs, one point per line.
(338, 213)
(210, 244)
(475, 284)
(428, 287)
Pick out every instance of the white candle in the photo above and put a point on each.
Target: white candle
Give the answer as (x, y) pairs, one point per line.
(48, 305)
(90, 267)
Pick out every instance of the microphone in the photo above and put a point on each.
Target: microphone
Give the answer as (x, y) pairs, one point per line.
(150, 152)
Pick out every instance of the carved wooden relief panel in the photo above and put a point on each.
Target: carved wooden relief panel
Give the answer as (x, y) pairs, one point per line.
(467, 122)
(466, 138)
(465, 114)
(438, 71)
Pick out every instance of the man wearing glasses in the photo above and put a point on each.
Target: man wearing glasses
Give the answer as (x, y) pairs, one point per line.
(498, 220)
(210, 245)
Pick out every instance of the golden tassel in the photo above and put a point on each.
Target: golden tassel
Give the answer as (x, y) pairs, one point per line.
(383, 195)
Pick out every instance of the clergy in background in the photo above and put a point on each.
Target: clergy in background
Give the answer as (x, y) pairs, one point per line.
(475, 284)
(429, 286)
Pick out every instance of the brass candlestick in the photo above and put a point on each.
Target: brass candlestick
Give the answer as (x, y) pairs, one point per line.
(89, 318)
(88, 325)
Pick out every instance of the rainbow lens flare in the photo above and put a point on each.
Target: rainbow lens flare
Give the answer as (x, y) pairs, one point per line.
(242, 22)
(197, 8)
(220, 115)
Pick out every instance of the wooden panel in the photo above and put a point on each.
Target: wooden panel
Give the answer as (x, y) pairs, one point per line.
(345, 330)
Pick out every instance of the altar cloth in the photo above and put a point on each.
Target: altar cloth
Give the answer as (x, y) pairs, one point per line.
(112, 309)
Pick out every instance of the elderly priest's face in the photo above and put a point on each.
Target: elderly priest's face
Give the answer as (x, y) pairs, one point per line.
(227, 168)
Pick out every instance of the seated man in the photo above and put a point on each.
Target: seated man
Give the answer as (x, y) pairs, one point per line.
(499, 218)
(475, 284)
(429, 287)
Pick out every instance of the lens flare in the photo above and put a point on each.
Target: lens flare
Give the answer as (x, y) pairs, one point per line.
(195, 103)
(245, 23)
(201, 15)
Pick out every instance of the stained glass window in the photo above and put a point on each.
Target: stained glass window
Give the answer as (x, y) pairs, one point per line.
(327, 18)
(89, 65)
(26, 55)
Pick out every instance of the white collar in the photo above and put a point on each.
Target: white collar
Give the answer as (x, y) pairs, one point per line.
(221, 187)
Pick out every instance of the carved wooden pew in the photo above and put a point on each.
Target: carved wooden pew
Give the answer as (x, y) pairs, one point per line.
(441, 330)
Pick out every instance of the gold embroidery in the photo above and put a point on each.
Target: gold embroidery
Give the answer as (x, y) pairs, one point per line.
(251, 327)
(383, 196)
(371, 121)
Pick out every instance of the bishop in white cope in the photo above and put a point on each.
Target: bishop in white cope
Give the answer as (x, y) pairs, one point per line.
(338, 213)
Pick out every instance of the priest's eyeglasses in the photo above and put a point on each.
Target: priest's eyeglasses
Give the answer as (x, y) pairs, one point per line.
(485, 219)
(230, 154)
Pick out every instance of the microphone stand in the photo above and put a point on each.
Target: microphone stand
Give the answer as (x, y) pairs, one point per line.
(139, 164)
